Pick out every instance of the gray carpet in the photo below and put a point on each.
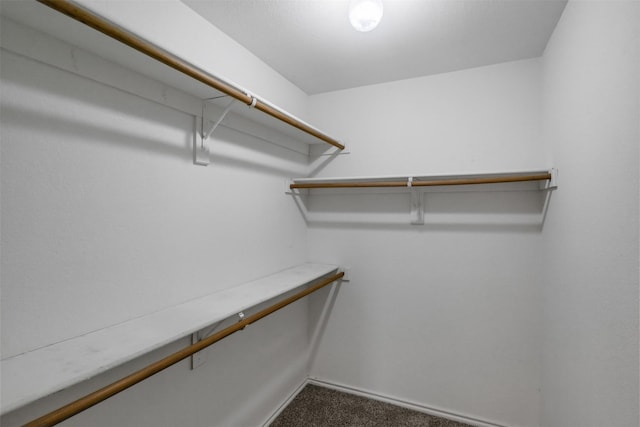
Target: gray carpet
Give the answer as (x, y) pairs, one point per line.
(318, 406)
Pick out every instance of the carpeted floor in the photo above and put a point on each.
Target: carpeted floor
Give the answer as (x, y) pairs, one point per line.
(318, 406)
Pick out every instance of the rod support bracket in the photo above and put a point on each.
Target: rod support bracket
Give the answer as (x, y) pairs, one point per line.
(347, 274)
(553, 182)
(241, 317)
(254, 100)
(287, 186)
(288, 182)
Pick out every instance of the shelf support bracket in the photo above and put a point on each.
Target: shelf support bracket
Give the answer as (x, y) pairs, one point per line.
(201, 149)
(417, 207)
(200, 358)
(417, 203)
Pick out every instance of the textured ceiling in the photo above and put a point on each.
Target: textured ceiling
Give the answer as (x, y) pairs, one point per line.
(312, 44)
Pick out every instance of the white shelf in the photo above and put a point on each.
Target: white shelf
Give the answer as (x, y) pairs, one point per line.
(423, 177)
(36, 374)
(51, 23)
(416, 186)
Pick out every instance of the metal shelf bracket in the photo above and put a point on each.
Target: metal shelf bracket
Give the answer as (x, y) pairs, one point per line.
(202, 134)
(200, 358)
(417, 206)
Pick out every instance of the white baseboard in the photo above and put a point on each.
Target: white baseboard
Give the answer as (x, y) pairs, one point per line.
(387, 399)
(284, 404)
(405, 404)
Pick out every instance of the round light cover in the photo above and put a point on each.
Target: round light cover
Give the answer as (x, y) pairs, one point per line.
(365, 15)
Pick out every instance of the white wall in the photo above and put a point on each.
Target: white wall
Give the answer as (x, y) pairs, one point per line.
(105, 218)
(473, 313)
(445, 315)
(472, 318)
(592, 117)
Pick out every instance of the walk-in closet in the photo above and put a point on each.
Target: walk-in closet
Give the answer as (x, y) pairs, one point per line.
(243, 213)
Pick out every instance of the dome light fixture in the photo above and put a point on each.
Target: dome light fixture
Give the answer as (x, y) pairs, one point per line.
(365, 15)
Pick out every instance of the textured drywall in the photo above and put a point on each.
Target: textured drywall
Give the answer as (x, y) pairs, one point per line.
(444, 315)
(592, 111)
(105, 218)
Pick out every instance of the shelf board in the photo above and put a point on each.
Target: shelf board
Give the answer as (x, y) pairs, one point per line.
(54, 24)
(38, 373)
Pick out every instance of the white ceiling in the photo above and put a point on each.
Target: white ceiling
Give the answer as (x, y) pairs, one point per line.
(312, 44)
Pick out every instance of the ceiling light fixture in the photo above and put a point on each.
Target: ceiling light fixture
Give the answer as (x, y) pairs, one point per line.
(365, 15)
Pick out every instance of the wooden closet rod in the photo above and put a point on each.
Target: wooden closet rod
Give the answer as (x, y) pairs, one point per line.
(94, 21)
(104, 393)
(425, 183)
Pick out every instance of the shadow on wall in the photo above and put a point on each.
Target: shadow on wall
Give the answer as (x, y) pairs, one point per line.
(233, 149)
(82, 132)
(321, 305)
(89, 112)
(46, 99)
(510, 209)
